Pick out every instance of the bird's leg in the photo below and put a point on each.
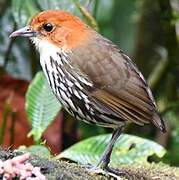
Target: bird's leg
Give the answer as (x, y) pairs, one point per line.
(102, 166)
(105, 158)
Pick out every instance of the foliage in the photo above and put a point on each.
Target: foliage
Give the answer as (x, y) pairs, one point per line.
(22, 12)
(41, 106)
(127, 150)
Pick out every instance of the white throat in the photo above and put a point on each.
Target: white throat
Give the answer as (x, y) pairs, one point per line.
(47, 50)
(44, 47)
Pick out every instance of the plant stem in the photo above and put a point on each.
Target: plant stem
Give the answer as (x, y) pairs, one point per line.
(9, 47)
(88, 17)
(4, 122)
(95, 8)
(158, 71)
(38, 142)
(12, 128)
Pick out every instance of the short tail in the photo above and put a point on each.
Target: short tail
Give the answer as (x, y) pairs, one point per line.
(158, 122)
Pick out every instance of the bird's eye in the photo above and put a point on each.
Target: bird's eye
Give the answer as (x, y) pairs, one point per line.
(48, 27)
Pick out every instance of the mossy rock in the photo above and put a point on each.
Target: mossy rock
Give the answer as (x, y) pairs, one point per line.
(62, 170)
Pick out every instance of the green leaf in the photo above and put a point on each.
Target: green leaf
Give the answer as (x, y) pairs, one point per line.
(41, 105)
(36, 149)
(127, 150)
(23, 11)
(67, 5)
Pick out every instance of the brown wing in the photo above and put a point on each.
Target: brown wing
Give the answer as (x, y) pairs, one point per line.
(118, 84)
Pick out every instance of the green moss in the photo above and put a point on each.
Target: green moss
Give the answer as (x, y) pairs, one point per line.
(154, 171)
(54, 169)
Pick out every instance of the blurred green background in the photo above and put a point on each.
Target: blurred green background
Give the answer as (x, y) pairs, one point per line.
(146, 30)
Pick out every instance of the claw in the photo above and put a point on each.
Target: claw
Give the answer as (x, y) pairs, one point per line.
(106, 171)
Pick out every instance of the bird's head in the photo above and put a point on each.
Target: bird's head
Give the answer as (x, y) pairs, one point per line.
(56, 27)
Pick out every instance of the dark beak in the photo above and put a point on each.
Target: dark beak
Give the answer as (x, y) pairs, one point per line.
(24, 32)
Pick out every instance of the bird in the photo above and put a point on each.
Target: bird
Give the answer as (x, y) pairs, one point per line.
(93, 78)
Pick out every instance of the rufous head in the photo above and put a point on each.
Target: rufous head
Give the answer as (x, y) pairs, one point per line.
(58, 27)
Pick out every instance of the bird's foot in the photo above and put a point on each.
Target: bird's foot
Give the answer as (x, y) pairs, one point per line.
(109, 172)
(105, 172)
